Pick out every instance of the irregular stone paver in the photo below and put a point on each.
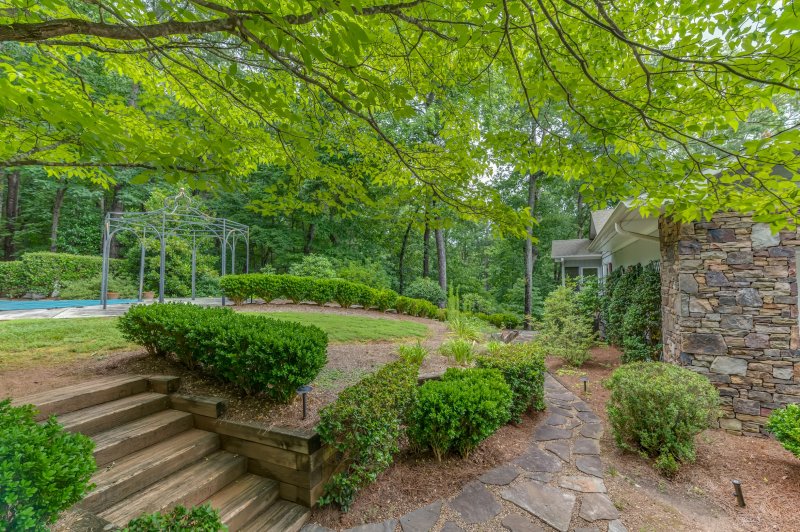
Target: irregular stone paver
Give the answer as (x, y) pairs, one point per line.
(556, 419)
(592, 430)
(560, 411)
(586, 529)
(536, 459)
(596, 506)
(586, 446)
(314, 527)
(588, 417)
(561, 396)
(500, 476)
(540, 476)
(583, 484)
(476, 504)
(421, 520)
(551, 505)
(387, 526)
(580, 406)
(616, 526)
(517, 523)
(450, 526)
(560, 448)
(591, 465)
(546, 432)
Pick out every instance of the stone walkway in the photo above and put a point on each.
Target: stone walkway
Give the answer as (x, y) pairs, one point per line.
(557, 484)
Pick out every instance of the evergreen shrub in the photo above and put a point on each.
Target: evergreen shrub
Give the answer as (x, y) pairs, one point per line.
(565, 331)
(523, 369)
(180, 519)
(427, 289)
(784, 424)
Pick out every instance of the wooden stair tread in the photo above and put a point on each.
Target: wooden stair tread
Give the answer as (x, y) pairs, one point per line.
(188, 487)
(104, 416)
(282, 516)
(147, 466)
(85, 394)
(243, 499)
(130, 437)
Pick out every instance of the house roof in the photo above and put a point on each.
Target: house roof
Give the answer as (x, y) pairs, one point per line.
(624, 225)
(575, 248)
(599, 219)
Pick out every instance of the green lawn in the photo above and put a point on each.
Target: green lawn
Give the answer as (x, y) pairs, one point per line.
(25, 343)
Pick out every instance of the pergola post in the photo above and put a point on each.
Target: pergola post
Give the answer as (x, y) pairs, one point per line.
(224, 252)
(141, 266)
(104, 274)
(162, 269)
(194, 264)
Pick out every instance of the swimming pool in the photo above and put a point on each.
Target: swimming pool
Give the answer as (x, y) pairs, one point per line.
(57, 303)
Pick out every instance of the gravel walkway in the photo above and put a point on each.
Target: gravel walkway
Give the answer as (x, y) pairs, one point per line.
(557, 484)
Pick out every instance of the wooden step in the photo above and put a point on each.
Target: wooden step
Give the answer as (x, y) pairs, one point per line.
(188, 487)
(282, 516)
(243, 499)
(114, 413)
(147, 466)
(130, 437)
(84, 395)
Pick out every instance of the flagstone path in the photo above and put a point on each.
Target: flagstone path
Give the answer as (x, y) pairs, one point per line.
(557, 484)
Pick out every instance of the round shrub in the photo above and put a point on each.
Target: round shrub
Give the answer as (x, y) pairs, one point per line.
(197, 519)
(43, 469)
(316, 266)
(458, 412)
(784, 423)
(426, 289)
(523, 369)
(385, 299)
(658, 408)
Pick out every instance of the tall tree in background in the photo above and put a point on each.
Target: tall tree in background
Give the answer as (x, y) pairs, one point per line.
(11, 213)
(530, 256)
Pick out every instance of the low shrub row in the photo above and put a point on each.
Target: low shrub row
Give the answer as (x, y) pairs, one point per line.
(321, 291)
(43, 469)
(45, 273)
(364, 425)
(523, 369)
(258, 355)
(501, 320)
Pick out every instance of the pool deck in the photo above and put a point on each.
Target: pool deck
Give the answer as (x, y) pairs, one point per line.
(94, 311)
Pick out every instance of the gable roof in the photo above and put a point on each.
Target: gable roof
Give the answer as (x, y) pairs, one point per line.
(599, 219)
(578, 247)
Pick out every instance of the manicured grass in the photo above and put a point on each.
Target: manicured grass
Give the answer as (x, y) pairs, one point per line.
(25, 343)
(347, 328)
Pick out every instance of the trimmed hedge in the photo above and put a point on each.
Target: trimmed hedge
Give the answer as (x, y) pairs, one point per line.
(365, 426)
(501, 320)
(523, 369)
(459, 411)
(254, 353)
(270, 286)
(43, 469)
(44, 272)
(180, 519)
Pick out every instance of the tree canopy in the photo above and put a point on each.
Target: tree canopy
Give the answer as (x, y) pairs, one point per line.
(688, 107)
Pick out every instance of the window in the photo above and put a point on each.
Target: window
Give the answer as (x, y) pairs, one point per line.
(589, 272)
(572, 272)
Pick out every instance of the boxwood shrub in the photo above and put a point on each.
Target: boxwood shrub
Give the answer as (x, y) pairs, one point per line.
(43, 469)
(258, 355)
(458, 412)
(364, 425)
(658, 408)
(45, 273)
(180, 519)
(265, 286)
(523, 369)
(784, 424)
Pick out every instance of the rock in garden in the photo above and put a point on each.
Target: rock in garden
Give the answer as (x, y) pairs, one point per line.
(551, 505)
(476, 504)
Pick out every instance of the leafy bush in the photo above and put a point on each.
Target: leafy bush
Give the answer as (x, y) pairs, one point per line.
(12, 279)
(347, 293)
(427, 289)
(322, 291)
(784, 423)
(657, 409)
(297, 289)
(90, 288)
(43, 469)
(565, 331)
(458, 349)
(589, 298)
(413, 353)
(523, 369)
(641, 324)
(370, 274)
(504, 320)
(465, 327)
(476, 303)
(459, 411)
(199, 518)
(45, 273)
(317, 266)
(385, 299)
(365, 425)
(254, 353)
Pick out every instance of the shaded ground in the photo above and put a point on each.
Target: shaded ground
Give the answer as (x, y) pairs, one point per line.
(701, 496)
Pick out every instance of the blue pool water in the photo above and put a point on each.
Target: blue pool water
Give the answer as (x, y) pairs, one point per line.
(63, 303)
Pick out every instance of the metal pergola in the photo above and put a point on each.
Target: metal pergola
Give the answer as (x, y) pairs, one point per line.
(177, 218)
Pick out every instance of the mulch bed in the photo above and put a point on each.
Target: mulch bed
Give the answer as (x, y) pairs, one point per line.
(701, 495)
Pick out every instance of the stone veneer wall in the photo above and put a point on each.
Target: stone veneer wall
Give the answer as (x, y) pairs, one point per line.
(730, 312)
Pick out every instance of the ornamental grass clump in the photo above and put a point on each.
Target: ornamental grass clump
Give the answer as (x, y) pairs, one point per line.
(784, 424)
(459, 411)
(657, 409)
(365, 425)
(459, 349)
(413, 353)
(44, 469)
(523, 369)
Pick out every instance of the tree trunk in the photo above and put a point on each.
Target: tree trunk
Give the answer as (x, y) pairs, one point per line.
(579, 216)
(57, 203)
(530, 254)
(401, 265)
(442, 259)
(11, 212)
(426, 256)
(312, 228)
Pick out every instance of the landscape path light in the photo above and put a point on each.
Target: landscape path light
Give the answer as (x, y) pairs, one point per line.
(303, 392)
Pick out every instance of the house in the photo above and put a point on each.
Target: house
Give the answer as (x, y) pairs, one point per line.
(729, 300)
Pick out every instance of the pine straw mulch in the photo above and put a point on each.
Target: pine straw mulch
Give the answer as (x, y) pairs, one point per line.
(700, 497)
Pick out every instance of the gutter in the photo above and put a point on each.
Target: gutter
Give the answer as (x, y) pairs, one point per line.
(623, 232)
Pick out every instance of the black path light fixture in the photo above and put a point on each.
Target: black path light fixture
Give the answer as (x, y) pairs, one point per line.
(737, 491)
(177, 218)
(303, 391)
(585, 381)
